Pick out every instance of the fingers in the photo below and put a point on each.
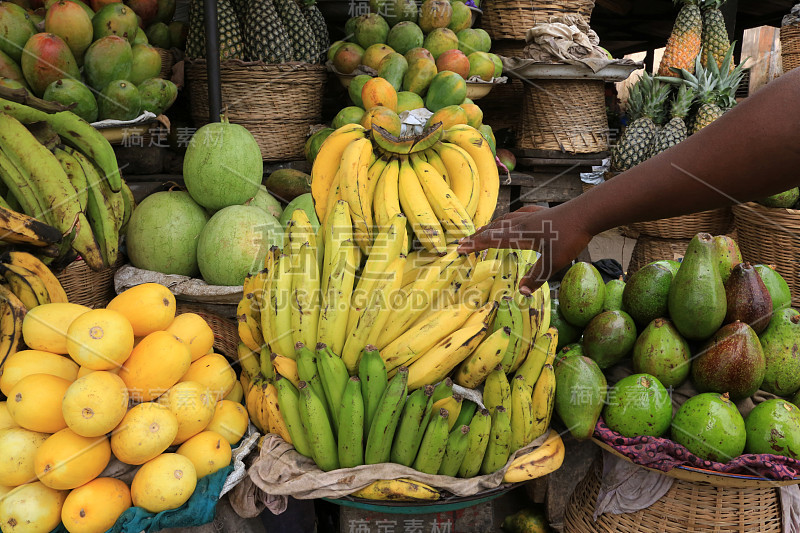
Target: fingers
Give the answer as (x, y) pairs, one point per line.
(535, 277)
(489, 238)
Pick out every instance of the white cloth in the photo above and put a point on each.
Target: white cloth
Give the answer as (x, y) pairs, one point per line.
(183, 287)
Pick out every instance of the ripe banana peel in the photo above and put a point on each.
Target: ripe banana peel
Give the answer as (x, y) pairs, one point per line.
(539, 462)
(398, 490)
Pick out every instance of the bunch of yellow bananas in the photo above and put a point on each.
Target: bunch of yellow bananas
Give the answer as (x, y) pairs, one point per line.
(446, 188)
(25, 283)
(74, 190)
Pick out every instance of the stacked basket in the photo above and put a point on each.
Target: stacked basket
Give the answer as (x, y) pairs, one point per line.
(668, 238)
(276, 102)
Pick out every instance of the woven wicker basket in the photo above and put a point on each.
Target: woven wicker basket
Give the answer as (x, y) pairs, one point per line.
(565, 115)
(226, 334)
(509, 48)
(167, 60)
(715, 222)
(771, 236)
(501, 106)
(277, 103)
(87, 287)
(688, 507)
(511, 19)
(790, 47)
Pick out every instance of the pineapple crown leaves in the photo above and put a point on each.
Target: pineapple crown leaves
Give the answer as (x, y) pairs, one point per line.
(683, 101)
(711, 4)
(703, 82)
(685, 2)
(728, 79)
(653, 94)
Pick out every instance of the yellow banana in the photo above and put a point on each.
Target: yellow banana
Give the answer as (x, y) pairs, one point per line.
(539, 462)
(298, 232)
(489, 353)
(537, 356)
(436, 162)
(398, 490)
(544, 394)
(544, 324)
(280, 313)
(31, 286)
(248, 325)
(452, 404)
(444, 356)
(447, 207)
(11, 316)
(464, 176)
(505, 283)
(248, 360)
(419, 211)
(522, 422)
(305, 301)
(20, 228)
(337, 230)
(327, 164)
(253, 397)
(551, 349)
(264, 292)
(287, 368)
(277, 424)
(334, 312)
(476, 146)
(354, 186)
(376, 312)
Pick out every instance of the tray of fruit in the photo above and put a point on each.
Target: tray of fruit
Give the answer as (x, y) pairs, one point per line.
(712, 329)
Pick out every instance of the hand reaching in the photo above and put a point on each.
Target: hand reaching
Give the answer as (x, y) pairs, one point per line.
(558, 236)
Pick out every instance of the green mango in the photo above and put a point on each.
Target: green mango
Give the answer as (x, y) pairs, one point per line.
(709, 425)
(393, 68)
(582, 294)
(446, 88)
(419, 76)
(567, 333)
(646, 294)
(157, 95)
(781, 344)
(120, 101)
(354, 89)
(575, 348)
(287, 184)
(661, 351)
(697, 303)
(638, 405)
(488, 134)
(613, 299)
(773, 427)
(580, 395)
(304, 202)
(778, 288)
(609, 338)
(728, 255)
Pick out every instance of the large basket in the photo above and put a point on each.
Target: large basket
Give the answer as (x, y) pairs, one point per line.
(501, 106)
(511, 19)
(88, 287)
(790, 47)
(564, 115)
(771, 236)
(167, 60)
(276, 103)
(715, 222)
(226, 333)
(687, 507)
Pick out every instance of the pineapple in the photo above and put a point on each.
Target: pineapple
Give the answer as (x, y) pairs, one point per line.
(317, 22)
(240, 8)
(647, 104)
(303, 42)
(676, 131)
(230, 35)
(265, 38)
(684, 44)
(715, 34)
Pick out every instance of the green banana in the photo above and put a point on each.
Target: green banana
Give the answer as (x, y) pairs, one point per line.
(432, 448)
(351, 425)
(510, 316)
(55, 189)
(384, 424)
(22, 190)
(372, 371)
(75, 132)
(289, 403)
(496, 390)
(479, 430)
(498, 449)
(533, 364)
(455, 451)
(99, 209)
(307, 371)
(443, 389)
(75, 174)
(521, 413)
(319, 433)
(411, 427)
(265, 364)
(333, 375)
(468, 408)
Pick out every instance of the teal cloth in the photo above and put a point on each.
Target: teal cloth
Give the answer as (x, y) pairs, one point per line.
(199, 510)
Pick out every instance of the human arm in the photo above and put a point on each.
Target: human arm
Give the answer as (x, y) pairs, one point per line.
(753, 151)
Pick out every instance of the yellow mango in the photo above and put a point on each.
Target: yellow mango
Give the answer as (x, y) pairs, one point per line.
(149, 307)
(27, 362)
(96, 506)
(6, 421)
(19, 447)
(164, 483)
(156, 364)
(192, 404)
(31, 508)
(101, 339)
(35, 403)
(66, 460)
(194, 331)
(83, 371)
(230, 420)
(95, 404)
(145, 431)
(208, 451)
(45, 326)
(236, 394)
(214, 371)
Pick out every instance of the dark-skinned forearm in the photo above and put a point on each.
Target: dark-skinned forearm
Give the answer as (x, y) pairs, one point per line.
(750, 153)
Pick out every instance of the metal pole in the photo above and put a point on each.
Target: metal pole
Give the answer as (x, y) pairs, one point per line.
(212, 60)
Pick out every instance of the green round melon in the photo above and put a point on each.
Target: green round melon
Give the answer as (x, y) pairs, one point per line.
(235, 242)
(163, 233)
(222, 166)
(264, 200)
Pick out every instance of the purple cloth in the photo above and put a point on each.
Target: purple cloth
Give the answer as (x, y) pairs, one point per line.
(665, 454)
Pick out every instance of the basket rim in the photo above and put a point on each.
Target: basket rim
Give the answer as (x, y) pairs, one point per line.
(237, 64)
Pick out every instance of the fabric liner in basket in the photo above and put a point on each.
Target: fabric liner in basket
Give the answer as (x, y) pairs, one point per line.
(687, 507)
(511, 19)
